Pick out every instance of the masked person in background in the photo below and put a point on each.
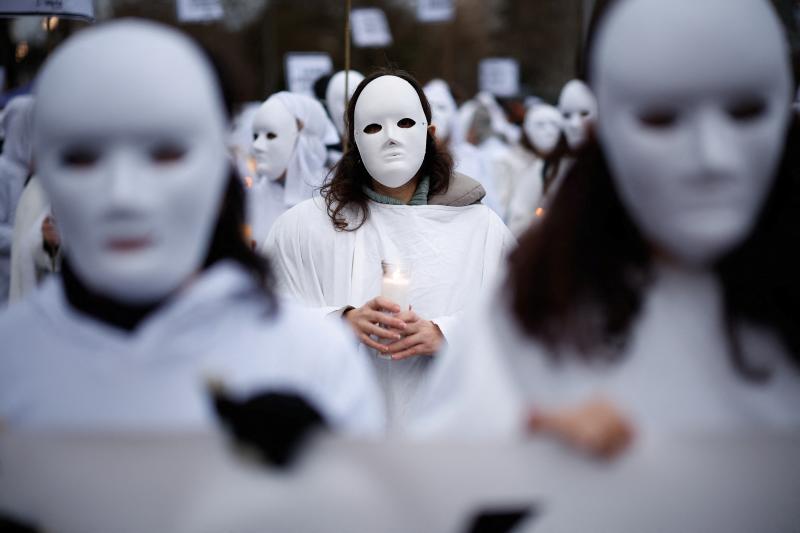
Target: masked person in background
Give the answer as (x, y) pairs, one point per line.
(289, 150)
(159, 289)
(336, 104)
(578, 108)
(392, 197)
(543, 132)
(661, 292)
(16, 163)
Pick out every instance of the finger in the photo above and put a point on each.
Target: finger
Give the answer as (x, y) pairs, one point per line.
(384, 303)
(408, 316)
(378, 317)
(374, 329)
(366, 339)
(405, 343)
(414, 351)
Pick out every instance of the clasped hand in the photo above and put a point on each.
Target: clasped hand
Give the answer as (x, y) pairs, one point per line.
(409, 334)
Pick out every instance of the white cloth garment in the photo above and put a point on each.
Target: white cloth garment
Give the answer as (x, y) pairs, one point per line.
(30, 263)
(453, 253)
(305, 172)
(62, 369)
(14, 169)
(675, 375)
(526, 198)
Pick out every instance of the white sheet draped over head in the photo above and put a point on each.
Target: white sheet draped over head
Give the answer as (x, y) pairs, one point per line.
(306, 168)
(18, 129)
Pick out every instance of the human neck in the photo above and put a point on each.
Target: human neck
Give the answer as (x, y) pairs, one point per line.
(403, 194)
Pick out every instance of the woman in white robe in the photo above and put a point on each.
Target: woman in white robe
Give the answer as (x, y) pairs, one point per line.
(15, 168)
(649, 300)
(393, 197)
(289, 136)
(159, 291)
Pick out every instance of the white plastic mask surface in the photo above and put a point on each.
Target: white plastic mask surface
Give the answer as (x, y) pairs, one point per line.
(274, 137)
(579, 109)
(334, 96)
(443, 107)
(390, 130)
(130, 143)
(543, 126)
(693, 145)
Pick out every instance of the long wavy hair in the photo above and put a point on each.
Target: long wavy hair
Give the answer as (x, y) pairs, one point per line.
(344, 190)
(578, 278)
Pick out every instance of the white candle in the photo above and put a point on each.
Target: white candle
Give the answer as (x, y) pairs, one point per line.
(395, 288)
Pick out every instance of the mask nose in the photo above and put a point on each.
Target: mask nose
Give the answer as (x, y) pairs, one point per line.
(121, 179)
(713, 144)
(260, 143)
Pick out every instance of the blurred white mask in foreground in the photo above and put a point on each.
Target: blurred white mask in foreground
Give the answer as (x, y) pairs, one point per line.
(390, 130)
(694, 102)
(543, 126)
(334, 96)
(579, 110)
(130, 144)
(274, 136)
(443, 107)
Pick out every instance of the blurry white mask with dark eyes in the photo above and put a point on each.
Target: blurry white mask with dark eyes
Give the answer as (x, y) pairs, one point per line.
(390, 130)
(694, 101)
(543, 126)
(579, 109)
(275, 133)
(129, 133)
(443, 107)
(334, 96)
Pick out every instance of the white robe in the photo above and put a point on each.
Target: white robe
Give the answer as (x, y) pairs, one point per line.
(62, 369)
(676, 374)
(453, 252)
(30, 263)
(526, 198)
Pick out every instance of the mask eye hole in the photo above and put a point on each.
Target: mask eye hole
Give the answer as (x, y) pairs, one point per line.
(79, 157)
(372, 128)
(255, 136)
(271, 136)
(584, 113)
(406, 123)
(747, 109)
(166, 153)
(658, 118)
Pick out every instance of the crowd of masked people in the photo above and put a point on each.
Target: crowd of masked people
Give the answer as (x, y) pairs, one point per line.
(617, 262)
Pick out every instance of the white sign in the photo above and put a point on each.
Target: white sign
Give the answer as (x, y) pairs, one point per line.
(499, 76)
(83, 9)
(304, 68)
(199, 10)
(435, 10)
(370, 28)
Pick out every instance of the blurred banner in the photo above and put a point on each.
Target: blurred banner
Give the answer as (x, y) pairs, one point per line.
(499, 76)
(304, 68)
(82, 9)
(435, 10)
(199, 10)
(370, 28)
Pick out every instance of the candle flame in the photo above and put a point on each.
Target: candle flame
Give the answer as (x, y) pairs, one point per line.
(248, 182)
(539, 212)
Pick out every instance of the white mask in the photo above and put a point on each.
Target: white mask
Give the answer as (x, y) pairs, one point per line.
(391, 130)
(694, 102)
(543, 126)
(579, 109)
(334, 96)
(274, 137)
(443, 107)
(130, 145)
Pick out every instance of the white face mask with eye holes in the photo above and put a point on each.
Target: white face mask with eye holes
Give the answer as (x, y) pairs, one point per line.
(543, 125)
(391, 130)
(275, 134)
(579, 109)
(693, 146)
(133, 162)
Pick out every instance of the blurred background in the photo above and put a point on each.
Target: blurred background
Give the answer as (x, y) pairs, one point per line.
(252, 38)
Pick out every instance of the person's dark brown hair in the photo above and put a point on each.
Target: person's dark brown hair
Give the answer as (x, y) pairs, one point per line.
(344, 190)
